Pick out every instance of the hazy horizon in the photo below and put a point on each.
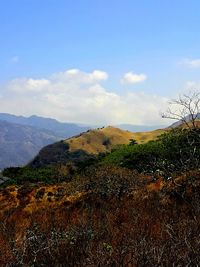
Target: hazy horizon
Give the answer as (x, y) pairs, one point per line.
(89, 125)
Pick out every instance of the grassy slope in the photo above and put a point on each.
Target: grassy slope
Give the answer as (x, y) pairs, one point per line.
(92, 141)
(87, 145)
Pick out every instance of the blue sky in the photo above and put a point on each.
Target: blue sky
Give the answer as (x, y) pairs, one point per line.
(154, 38)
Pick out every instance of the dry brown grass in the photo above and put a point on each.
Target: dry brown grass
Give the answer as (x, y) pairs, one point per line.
(93, 141)
(122, 219)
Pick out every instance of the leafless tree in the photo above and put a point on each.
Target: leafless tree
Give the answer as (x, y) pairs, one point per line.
(185, 109)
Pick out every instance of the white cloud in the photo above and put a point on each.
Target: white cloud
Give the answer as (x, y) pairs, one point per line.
(77, 96)
(131, 77)
(73, 71)
(80, 77)
(28, 85)
(99, 75)
(191, 63)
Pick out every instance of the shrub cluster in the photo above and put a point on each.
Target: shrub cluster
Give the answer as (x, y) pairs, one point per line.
(175, 151)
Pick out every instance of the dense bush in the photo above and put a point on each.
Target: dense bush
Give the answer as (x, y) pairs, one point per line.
(181, 149)
(142, 157)
(175, 151)
(48, 174)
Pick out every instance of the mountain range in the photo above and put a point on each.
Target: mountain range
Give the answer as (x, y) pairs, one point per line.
(20, 143)
(60, 129)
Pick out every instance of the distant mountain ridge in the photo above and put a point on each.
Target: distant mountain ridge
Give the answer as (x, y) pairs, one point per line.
(20, 143)
(187, 119)
(60, 129)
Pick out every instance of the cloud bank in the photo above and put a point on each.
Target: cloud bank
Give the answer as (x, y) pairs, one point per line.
(77, 96)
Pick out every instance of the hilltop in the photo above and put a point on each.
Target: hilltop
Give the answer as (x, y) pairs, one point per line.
(104, 139)
(89, 145)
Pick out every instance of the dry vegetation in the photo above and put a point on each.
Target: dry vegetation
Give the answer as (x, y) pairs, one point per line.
(88, 145)
(103, 140)
(105, 217)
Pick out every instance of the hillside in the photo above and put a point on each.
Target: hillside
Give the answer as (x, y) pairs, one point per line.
(104, 139)
(187, 119)
(20, 143)
(89, 144)
(184, 125)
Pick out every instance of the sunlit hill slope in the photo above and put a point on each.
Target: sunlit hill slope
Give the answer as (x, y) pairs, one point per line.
(89, 144)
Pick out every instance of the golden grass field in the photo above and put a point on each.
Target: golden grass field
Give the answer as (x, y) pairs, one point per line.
(93, 140)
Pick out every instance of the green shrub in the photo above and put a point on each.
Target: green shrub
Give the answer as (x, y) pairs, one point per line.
(33, 175)
(182, 148)
(175, 151)
(142, 157)
(132, 142)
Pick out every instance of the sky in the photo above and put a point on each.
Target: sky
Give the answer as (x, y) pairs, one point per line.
(97, 61)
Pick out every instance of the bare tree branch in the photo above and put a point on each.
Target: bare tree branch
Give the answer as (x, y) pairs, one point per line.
(185, 109)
